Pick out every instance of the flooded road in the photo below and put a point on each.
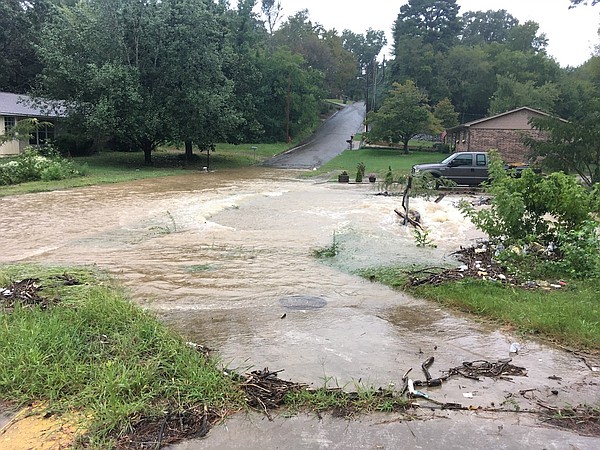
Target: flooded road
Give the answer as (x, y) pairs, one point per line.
(225, 258)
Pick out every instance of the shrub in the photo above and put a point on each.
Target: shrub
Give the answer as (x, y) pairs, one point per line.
(35, 165)
(553, 212)
(360, 171)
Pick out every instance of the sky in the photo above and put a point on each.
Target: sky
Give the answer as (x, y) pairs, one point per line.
(572, 33)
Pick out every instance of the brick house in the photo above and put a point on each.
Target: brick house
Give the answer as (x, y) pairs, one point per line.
(504, 132)
(15, 107)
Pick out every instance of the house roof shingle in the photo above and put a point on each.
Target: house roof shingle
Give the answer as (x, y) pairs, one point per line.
(19, 105)
(485, 119)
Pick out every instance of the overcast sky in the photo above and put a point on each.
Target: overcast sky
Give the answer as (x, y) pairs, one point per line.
(572, 34)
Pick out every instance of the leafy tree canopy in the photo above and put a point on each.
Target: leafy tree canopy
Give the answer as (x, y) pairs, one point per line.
(487, 26)
(572, 145)
(404, 114)
(444, 111)
(365, 47)
(136, 82)
(435, 21)
(321, 49)
(512, 94)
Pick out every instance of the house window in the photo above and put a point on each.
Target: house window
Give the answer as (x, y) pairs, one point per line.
(41, 136)
(9, 122)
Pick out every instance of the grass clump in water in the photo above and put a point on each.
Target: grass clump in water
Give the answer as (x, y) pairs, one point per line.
(93, 351)
(348, 404)
(331, 251)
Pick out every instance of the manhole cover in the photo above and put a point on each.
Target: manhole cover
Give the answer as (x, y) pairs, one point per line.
(302, 302)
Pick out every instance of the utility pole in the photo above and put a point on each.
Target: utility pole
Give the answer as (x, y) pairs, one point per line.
(375, 68)
(288, 107)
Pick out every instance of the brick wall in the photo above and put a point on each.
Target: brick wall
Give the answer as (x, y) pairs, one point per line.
(508, 142)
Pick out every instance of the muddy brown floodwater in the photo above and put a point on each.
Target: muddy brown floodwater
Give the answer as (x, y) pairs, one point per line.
(222, 256)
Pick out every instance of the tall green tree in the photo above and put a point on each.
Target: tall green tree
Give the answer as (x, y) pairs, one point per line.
(271, 10)
(246, 40)
(444, 111)
(198, 97)
(471, 80)
(289, 96)
(20, 25)
(423, 32)
(481, 27)
(572, 145)
(365, 47)
(366, 75)
(403, 114)
(156, 77)
(512, 94)
(525, 38)
(436, 22)
(321, 49)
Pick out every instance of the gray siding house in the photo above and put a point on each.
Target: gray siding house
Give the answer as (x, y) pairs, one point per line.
(15, 107)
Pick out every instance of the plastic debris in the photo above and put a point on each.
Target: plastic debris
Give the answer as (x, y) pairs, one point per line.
(514, 348)
(413, 392)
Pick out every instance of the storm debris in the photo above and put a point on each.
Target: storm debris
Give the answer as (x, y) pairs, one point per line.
(154, 433)
(583, 419)
(265, 390)
(468, 369)
(67, 279)
(482, 368)
(413, 217)
(477, 262)
(25, 293)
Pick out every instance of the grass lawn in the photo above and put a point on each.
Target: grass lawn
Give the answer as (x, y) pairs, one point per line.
(569, 316)
(377, 161)
(78, 344)
(116, 167)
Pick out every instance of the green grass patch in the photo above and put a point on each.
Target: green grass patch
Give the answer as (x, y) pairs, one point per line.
(94, 351)
(116, 167)
(70, 339)
(377, 161)
(347, 404)
(569, 316)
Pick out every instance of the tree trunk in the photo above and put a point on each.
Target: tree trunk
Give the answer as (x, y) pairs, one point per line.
(147, 147)
(406, 146)
(148, 156)
(189, 152)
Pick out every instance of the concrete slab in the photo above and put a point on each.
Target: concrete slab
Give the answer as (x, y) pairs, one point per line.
(456, 430)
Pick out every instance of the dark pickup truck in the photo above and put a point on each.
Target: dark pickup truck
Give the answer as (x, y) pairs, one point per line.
(464, 168)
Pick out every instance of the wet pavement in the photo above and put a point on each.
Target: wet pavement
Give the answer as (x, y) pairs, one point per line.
(465, 430)
(221, 257)
(326, 143)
